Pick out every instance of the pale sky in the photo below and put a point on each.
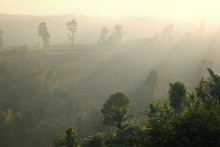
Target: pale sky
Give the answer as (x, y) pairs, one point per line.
(187, 10)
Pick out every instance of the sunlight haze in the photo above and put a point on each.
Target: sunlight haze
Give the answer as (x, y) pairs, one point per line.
(186, 10)
(109, 73)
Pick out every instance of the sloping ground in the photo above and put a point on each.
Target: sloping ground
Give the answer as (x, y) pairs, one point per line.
(92, 73)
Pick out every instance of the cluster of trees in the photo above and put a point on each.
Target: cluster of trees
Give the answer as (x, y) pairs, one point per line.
(192, 118)
(33, 105)
(44, 34)
(105, 39)
(114, 38)
(187, 119)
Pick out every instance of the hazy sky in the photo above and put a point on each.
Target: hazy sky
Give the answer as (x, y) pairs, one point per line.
(179, 9)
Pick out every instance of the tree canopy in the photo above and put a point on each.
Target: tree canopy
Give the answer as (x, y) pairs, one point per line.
(177, 93)
(71, 27)
(115, 109)
(43, 33)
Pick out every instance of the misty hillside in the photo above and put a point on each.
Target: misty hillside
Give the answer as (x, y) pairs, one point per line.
(148, 75)
(24, 27)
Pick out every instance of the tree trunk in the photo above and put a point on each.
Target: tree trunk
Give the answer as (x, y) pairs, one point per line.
(72, 40)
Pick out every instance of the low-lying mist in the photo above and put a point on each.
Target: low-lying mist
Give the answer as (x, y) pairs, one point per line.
(48, 86)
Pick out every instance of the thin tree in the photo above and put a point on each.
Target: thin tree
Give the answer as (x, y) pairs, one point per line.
(119, 33)
(43, 33)
(71, 26)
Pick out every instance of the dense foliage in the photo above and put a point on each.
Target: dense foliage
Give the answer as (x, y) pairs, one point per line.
(30, 98)
(114, 110)
(187, 122)
(35, 106)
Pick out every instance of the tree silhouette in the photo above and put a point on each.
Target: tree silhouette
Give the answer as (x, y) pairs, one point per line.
(177, 93)
(43, 33)
(71, 26)
(119, 33)
(115, 109)
(116, 35)
(103, 36)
